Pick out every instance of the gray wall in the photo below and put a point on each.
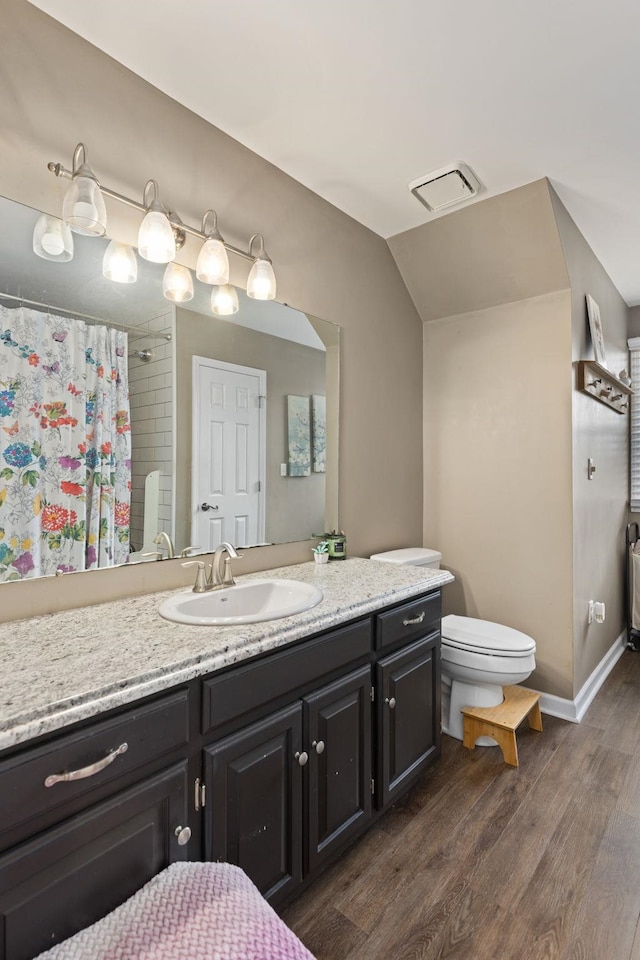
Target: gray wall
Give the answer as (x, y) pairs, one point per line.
(507, 436)
(498, 470)
(57, 90)
(600, 505)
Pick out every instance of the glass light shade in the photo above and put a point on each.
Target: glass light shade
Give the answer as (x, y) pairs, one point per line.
(177, 283)
(83, 207)
(261, 284)
(156, 241)
(213, 262)
(224, 300)
(119, 263)
(52, 239)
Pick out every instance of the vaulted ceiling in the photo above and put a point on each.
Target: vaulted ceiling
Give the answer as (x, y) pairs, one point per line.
(355, 99)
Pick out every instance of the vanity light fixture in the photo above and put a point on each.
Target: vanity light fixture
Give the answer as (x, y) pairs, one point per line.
(119, 263)
(156, 241)
(162, 232)
(224, 300)
(52, 239)
(213, 261)
(83, 206)
(261, 284)
(177, 283)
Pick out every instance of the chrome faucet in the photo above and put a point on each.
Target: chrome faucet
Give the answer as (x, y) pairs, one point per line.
(164, 539)
(219, 574)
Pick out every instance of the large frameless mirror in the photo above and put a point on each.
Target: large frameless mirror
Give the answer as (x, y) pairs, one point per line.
(133, 429)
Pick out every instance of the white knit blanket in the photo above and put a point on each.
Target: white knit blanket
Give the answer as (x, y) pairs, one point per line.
(190, 911)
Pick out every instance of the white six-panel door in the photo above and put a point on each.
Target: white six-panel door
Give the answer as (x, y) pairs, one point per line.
(228, 454)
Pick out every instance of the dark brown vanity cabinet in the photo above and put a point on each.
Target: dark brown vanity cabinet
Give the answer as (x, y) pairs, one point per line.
(409, 715)
(287, 791)
(339, 738)
(72, 875)
(283, 793)
(253, 802)
(408, 693)
(276, 764)
(88, 842)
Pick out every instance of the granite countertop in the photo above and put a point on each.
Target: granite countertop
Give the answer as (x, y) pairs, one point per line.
(64, 667)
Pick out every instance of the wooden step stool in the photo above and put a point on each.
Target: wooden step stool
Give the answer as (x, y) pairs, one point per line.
(500, 722)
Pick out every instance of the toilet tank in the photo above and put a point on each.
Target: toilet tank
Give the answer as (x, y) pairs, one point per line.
(411, 557)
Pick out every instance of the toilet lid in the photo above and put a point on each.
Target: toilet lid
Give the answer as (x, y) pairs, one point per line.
(467, 633)
(409, 556)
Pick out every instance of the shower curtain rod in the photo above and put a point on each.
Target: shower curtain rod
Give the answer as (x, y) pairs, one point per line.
(87, 316)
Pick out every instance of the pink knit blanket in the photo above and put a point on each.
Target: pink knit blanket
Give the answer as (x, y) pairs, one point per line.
(190, 911)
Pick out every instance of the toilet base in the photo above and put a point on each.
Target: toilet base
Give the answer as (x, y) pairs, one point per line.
(461, 694)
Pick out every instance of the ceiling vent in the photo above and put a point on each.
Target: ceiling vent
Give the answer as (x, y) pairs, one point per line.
(445, 187)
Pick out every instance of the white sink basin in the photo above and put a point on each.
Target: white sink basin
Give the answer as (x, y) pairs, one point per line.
(246, 602)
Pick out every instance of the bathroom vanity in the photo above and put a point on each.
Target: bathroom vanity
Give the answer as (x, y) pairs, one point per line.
(271, 746)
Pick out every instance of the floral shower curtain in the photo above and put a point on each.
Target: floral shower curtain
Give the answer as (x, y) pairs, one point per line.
(65, 445)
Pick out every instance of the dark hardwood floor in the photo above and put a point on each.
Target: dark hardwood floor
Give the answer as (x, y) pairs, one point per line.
(481, 861)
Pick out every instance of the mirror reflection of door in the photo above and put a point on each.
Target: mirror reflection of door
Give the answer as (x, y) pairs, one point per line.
(228, 454)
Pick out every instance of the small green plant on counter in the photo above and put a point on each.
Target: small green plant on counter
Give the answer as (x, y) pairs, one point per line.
(322, 547)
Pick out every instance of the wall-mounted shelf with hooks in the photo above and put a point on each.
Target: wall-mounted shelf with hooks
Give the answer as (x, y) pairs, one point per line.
(603, 385)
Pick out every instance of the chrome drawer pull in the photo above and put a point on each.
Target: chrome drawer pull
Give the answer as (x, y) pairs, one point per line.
(89, 771)
(407, 623)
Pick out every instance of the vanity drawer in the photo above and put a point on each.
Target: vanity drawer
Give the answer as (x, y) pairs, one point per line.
(149, 732)
(232, 695)
(409, 621)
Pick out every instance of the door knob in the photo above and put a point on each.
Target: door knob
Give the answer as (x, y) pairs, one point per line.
(302, 758)
(318, 746)
(207, 506)
(391, 701)
(183, 834)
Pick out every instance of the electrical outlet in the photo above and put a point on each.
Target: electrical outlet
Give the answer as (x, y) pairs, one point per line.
(590, 617)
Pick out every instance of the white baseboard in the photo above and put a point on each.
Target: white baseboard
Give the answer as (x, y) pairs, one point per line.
(574, 710)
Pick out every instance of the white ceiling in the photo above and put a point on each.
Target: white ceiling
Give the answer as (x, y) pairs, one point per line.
(355, 98)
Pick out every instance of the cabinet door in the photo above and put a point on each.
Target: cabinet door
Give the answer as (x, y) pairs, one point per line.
(253, 812)
(408, 709)
(76, 873)
(338, 740)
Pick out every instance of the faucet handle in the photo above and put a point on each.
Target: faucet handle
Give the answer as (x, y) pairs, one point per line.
(201, 581)
(227, 576)
(187, 550)
(154, 553)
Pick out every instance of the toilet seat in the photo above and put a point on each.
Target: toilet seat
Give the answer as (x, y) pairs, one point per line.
(483, 636)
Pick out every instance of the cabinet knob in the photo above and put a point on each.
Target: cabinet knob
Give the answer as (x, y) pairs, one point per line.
(391, 702)
(318, 746)
(302, 758)
(183, 834)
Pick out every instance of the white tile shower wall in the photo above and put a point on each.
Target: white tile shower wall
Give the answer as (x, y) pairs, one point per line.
(151, 390)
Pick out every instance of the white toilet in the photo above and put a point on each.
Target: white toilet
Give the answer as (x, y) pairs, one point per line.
(478, 657)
